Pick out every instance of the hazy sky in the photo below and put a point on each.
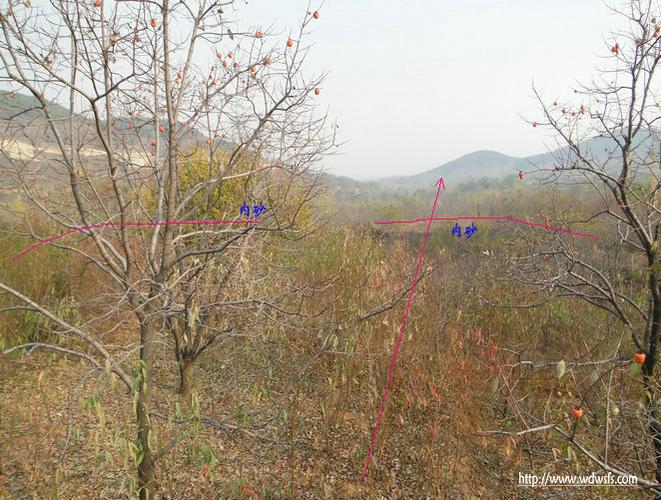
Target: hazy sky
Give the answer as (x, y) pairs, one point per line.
(416, 83)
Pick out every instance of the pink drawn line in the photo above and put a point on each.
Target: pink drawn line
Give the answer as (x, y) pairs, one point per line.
(135, 224)
(487, 217)
(440, 184)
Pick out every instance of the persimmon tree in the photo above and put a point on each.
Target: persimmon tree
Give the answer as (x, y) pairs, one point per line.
(146, 118)
(606, 149)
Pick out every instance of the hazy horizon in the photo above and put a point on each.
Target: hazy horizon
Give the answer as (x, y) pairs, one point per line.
(412, 89)
(399, 77)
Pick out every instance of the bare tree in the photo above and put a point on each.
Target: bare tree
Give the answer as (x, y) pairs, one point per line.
(162, 114)
(608, 150)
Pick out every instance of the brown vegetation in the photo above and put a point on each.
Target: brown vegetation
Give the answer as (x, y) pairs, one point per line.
(192, 361)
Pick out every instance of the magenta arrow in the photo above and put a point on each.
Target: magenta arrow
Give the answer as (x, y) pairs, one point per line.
(398, 344)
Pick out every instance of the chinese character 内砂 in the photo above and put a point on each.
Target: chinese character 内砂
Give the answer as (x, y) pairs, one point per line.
(258, 209)
(245, 209)
(470, 230)
(456, 230)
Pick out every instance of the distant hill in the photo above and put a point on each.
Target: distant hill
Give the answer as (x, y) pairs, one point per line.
(490, 164)
(25, 108)
(21, 112)
(485, 164)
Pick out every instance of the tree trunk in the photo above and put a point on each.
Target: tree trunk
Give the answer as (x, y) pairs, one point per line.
(655, 432)
(654, 424)
(650, 384)
(185, 378)
(146, 480)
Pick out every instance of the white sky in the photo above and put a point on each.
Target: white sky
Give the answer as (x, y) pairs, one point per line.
(416, 83)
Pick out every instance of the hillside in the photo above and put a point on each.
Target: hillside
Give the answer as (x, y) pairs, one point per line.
(485, 164)
(25, 109)
(22, 119)
(482, 163)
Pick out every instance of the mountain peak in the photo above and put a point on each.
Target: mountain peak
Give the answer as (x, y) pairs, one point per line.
(482, 163)
(486, 152)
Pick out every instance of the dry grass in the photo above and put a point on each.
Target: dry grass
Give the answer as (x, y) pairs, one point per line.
(64, 430)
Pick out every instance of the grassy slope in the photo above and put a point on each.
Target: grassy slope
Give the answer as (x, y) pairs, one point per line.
(56, 439)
